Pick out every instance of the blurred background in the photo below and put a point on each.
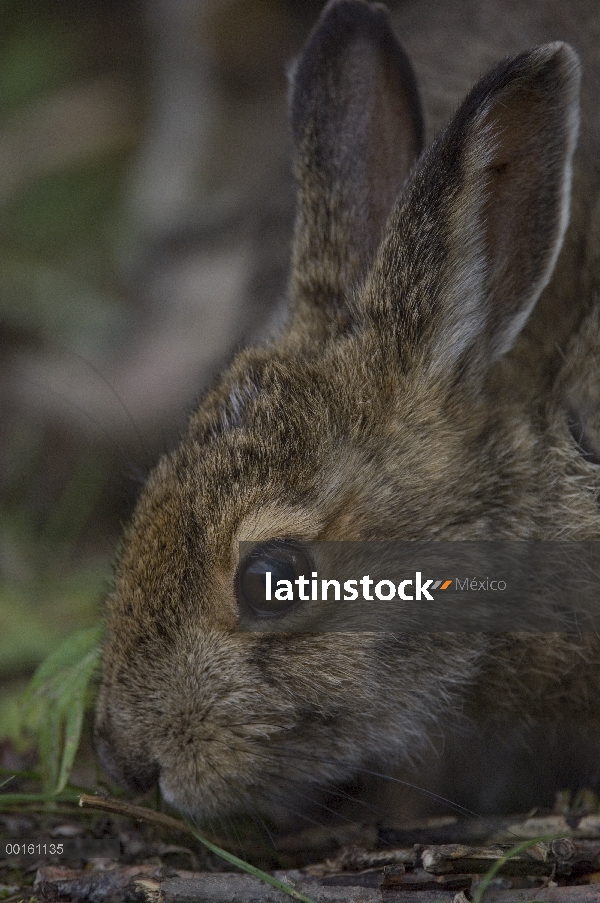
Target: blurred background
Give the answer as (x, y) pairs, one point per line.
(146, 213)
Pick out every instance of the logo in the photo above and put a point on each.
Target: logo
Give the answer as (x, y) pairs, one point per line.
(414, 590)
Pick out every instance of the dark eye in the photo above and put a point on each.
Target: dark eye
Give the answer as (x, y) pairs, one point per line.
(285, 560)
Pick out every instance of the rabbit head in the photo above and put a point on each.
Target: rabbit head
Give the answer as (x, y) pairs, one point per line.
(368, 416)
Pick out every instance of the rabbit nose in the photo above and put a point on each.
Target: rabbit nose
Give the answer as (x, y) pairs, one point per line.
(132, 771)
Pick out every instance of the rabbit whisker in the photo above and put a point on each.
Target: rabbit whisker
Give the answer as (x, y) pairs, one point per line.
(462, 810)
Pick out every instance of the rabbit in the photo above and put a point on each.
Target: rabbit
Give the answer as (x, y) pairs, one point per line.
(409, 392)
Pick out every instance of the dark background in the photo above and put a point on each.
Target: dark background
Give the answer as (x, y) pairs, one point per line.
(146, 212)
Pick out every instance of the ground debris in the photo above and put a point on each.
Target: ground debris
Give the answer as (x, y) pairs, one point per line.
(492, 829)
(563, 857)
(562, 871)
(156, 866)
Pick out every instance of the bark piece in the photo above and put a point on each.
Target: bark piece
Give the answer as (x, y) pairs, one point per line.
(234, 888)
(578, 894)
(563, 857)
(59, 885)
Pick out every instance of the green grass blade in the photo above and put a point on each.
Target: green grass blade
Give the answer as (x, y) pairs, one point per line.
(72, 736)
(53, 705)
(250, 869)
(510, 854)
(9, 800)
(70, 653)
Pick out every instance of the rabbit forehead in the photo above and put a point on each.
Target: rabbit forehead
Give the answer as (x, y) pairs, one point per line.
(312, 449)
(286, 408)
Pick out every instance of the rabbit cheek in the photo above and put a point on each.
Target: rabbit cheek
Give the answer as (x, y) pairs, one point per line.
(219, 772)
(131, 768)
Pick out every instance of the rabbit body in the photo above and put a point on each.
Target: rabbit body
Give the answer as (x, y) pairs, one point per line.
(416, 390)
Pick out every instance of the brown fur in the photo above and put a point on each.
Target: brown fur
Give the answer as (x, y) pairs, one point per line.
(388, 406)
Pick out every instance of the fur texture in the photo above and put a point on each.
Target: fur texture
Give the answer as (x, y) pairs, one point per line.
(389, 406)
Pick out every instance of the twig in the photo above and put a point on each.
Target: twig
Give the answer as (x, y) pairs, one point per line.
(137, 813)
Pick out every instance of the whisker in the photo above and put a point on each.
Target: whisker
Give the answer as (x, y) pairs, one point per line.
(313, 801)
(305, 779)
(463, 810)
(451, 804)
(232, 824)
(264, 825)
(85, 414)
(209, 821)
(284, 801)
(325, 786)
(286, 755)
(234, 831)
(130, 418)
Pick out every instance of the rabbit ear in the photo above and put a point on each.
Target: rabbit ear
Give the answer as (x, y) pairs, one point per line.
(357, 130)
(477, 235)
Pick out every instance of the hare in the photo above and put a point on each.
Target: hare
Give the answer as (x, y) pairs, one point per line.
(403, 396)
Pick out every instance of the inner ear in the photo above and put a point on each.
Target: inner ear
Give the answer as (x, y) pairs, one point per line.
(585, 434)
(527, 207)
(357, 130)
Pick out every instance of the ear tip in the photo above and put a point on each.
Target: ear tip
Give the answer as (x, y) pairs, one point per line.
(341, 23)
(565, 58)
(353, 14)
(353, 7)
(559, 49)
(337, 19)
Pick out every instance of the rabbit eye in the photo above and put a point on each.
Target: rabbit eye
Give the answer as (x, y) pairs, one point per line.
(285, 560)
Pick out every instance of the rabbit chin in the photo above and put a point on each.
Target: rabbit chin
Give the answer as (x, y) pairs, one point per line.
(200, 805)
(317, 781)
